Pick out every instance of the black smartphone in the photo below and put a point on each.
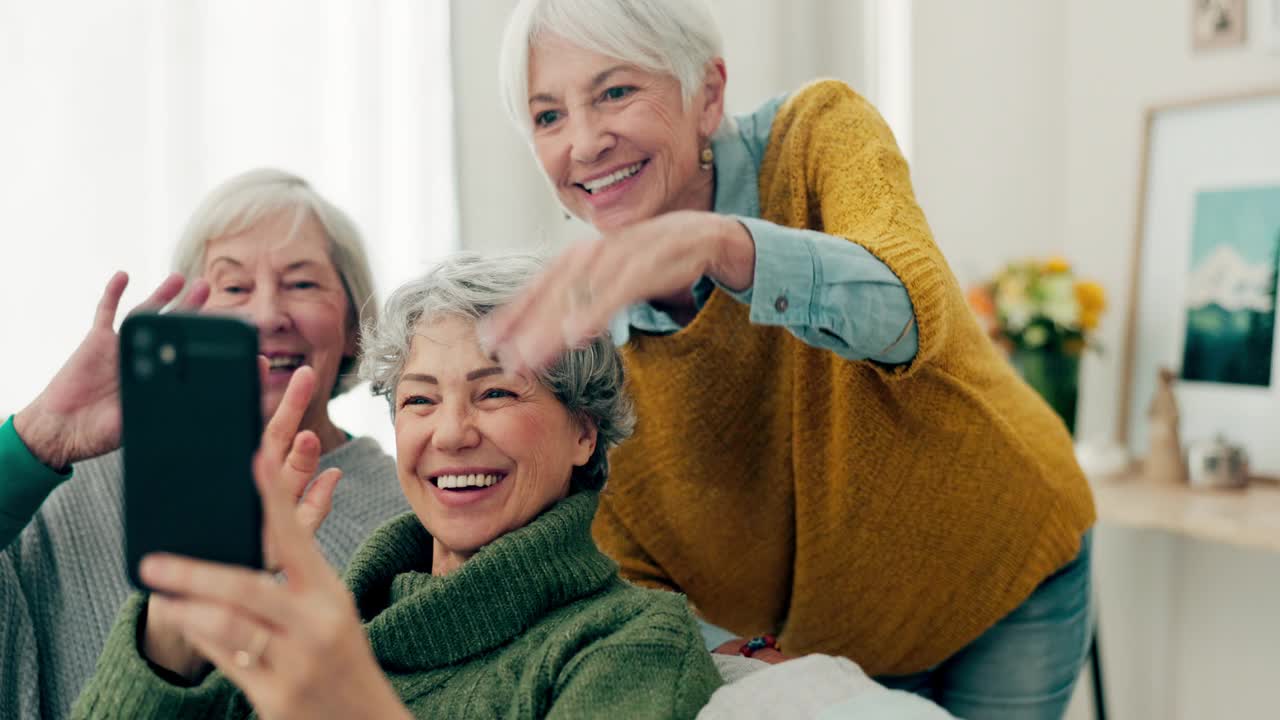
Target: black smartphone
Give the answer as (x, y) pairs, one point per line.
(190, 400)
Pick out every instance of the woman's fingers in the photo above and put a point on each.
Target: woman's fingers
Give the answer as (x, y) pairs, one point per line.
(530, 333)
(293, 548)
(298, 468)
(301, 464)
(167, 290)
(223, 657)
(279, 434)
(196, 296)
(251, 591)
(589, 289)
(105, 315)
(497, 328)
(611, 286)
(533, 313)
(318, 501)
(249, 653)
(227, 627)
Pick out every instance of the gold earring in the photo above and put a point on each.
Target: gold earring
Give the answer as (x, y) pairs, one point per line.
(708, 157)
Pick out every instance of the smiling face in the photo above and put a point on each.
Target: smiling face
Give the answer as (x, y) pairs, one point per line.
(479, 453)
(282, 281)
(617, 142)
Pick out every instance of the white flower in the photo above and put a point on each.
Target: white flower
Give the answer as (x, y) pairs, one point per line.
(1060, 303)
(1016, 317)
(1056, 288)
(1063, 313)
(1013, 304)
(1035, 336)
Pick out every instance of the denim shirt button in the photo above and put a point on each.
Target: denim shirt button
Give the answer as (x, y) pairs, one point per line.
(781, 304)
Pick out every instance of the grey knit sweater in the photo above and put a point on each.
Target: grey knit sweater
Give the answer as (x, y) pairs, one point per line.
(62, 579)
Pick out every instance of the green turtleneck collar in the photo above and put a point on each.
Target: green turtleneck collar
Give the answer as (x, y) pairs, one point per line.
(417, 621)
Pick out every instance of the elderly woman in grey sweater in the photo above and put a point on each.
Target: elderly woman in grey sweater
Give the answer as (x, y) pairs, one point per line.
(265, 246)
(490, 599)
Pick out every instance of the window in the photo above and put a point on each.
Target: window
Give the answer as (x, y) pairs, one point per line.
(121, 115)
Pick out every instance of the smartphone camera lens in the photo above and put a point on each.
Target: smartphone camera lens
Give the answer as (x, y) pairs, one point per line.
(168, 353)
(142, 338)
(142, 367)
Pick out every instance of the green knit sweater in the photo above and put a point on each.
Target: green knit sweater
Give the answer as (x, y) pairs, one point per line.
(537, 624)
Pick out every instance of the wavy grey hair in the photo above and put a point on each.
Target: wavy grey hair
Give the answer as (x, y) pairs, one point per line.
(588, 381)
(246, 199)
(673, 37)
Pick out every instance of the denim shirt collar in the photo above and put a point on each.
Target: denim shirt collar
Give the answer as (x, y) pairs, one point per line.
(738, 146)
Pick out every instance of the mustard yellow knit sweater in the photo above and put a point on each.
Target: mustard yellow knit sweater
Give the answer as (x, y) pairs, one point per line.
(888, 515)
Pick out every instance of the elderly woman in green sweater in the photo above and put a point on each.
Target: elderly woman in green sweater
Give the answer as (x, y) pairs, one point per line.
(813, 394)
(490, 599)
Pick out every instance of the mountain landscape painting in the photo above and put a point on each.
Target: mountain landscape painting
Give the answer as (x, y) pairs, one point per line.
(1231, 290)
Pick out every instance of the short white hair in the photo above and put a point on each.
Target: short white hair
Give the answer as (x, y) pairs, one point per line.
(674, 37)
(246, 199)
(588, 380)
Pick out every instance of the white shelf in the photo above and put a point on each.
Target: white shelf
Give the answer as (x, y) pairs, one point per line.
(1246, 518)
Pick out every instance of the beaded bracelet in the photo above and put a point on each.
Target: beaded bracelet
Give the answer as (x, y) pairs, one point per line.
(758, 643)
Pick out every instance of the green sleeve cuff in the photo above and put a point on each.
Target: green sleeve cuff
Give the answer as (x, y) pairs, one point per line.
(25, 482)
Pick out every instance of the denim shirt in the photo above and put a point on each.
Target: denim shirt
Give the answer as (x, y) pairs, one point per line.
(825, 290)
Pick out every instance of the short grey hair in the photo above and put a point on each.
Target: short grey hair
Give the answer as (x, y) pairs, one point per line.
(674, 37)
(588, 381)
(246, 199)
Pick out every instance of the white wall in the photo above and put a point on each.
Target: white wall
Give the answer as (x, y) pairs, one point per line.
(989, 99)
(503, 203)
(1028, 119)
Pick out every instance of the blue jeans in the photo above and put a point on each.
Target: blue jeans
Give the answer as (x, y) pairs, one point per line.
(1025, 666)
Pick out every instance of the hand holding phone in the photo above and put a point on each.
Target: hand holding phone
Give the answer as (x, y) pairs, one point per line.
(287, 461)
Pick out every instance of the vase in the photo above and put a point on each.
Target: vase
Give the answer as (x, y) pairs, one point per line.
(1056, 376)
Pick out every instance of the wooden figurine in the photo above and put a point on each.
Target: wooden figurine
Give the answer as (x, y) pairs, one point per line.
(1164, 463)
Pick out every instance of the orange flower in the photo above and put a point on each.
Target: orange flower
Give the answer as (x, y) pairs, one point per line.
(1092, 298)
(981, 302)
(1056, 265)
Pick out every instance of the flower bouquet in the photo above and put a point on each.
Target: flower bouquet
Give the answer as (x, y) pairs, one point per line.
(1044, 317)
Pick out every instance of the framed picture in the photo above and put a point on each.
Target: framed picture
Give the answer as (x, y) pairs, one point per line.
(1217, 24)
(1206, 257)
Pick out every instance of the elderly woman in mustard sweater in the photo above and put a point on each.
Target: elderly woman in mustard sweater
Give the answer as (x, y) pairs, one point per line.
(488, 600)
(829, 449)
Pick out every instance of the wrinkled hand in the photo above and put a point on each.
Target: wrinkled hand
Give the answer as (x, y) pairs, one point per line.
(769, 655)
(288, 459)
(574, 299)
(77, 416)
(296, 648)
(293, 457)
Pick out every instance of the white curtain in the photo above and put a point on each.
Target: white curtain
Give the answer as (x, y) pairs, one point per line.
(119, 115)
